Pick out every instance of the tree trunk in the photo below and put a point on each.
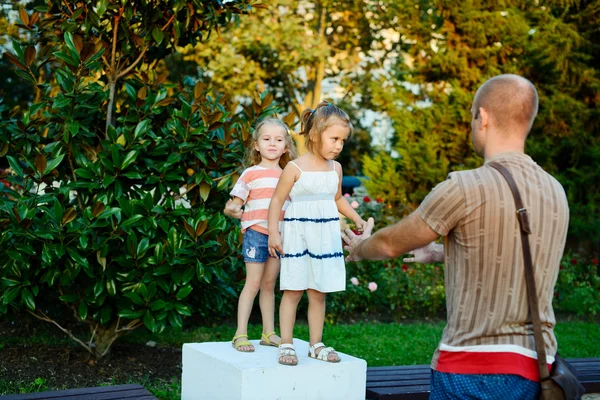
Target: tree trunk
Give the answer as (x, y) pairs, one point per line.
(112, 85)
(104, 338)
(316, 76)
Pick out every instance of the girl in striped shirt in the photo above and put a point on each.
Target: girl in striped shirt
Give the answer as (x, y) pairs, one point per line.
(270, 150)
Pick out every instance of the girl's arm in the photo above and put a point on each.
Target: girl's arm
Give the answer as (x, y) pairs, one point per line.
(284, 186)
(342, 204)
(233, 208)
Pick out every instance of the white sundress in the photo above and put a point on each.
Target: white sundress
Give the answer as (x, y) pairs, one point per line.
(312, 242)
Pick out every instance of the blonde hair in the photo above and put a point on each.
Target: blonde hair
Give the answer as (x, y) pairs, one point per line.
(253, 156)
(314, 122)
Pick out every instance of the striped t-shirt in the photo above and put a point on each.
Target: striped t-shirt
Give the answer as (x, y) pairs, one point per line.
(256, 187)
(489, 329)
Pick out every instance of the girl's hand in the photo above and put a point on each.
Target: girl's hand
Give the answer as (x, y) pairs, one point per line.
(275, 245)
(354, 241)
(233, 210)
(363, 225)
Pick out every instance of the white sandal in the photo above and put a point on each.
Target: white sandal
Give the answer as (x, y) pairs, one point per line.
(286, 350)
(312, 353)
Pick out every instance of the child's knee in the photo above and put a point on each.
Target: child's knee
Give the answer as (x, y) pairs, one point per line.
(267, 285)
(253, 286)
(316, 297)
(293, 295)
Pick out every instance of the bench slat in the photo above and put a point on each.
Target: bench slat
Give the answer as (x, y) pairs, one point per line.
(129, 391)
(399, 384)
(397, 378)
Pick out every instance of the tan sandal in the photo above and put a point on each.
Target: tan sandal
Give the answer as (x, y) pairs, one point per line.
(242, 343)
(323, 354)
(286, 350)
(265, 341)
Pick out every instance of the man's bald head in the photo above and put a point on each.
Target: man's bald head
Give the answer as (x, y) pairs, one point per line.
(511, 102)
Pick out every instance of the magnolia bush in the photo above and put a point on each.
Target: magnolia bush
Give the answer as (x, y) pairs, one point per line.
(111, 207)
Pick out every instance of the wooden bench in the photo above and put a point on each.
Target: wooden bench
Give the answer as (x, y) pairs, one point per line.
(96, 393)
(412, 381)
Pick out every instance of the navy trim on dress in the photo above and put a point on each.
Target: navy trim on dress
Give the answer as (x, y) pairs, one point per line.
(317, 256)
(320, 220)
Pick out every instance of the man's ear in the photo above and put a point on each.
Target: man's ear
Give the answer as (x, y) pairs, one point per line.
(485, 117)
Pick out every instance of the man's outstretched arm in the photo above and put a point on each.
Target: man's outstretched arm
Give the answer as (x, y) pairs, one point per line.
(408, 234)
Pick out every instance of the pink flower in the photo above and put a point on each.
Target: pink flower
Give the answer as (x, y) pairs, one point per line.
(354, 204)
(346, 194)
(354, 281)
(372, 286)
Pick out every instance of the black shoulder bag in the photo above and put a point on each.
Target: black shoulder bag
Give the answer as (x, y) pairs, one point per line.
(561, 383)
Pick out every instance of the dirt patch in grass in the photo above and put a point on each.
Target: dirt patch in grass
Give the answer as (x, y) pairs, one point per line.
(65, 366)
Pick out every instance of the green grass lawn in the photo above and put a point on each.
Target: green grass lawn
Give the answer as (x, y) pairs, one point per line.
(383, 344)
(379, 344)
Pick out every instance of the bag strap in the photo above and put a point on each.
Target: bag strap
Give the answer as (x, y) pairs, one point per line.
(529, 276)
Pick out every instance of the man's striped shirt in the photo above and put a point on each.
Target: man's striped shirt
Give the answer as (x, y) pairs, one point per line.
(488, 329)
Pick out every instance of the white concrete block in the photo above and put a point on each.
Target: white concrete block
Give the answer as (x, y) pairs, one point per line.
(216, 371)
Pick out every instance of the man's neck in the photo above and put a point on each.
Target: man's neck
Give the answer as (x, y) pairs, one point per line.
(496, 151)
(512, 144)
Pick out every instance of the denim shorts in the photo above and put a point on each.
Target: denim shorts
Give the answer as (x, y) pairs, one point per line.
(255, 247)
(447, 386)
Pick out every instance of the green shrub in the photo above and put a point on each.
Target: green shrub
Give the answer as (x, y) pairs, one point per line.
(417, 290)
(578, 287)
(119, 219)
(402, 291)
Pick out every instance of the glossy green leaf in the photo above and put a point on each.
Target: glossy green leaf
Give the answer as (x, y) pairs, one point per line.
(184, 292)
(69, 298)
(52, 164)
(11, 294)
(175, 320)
(129, 158)
(111, 287)
(158, 305)
(14, 164)
(131, 221)
(27, 299)
(143, 246)
(149, 321)
(83, 310)
(130, 314)
(183, 309)
(141, 128)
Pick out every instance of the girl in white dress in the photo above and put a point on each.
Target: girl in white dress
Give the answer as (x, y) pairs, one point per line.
(310, 244)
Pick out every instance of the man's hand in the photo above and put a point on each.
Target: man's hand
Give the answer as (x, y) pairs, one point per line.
(233, 210)
(353, 241)
(433, 252)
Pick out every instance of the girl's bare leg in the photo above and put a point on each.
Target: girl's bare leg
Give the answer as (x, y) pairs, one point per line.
(267, 297)
(287, 317)
(316, 319)
(254, 273)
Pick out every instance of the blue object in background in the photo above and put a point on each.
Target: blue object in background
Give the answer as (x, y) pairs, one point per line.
(349, 183)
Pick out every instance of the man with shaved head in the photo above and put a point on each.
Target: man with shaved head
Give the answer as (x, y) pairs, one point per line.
(487, 349)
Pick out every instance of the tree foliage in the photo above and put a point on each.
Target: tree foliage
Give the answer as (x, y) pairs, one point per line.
(300, 50)
(448, 50)
(119, 221)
